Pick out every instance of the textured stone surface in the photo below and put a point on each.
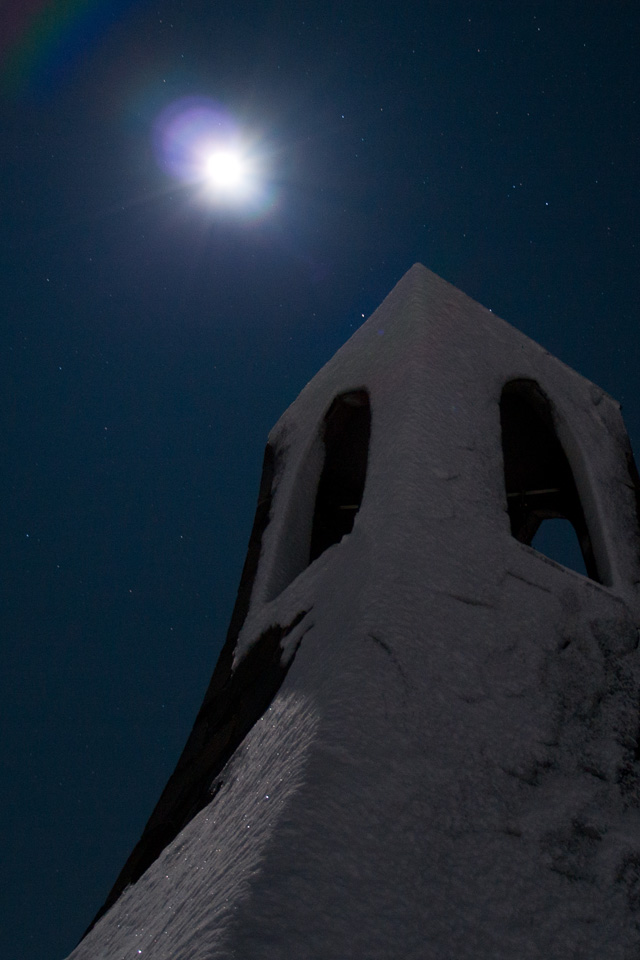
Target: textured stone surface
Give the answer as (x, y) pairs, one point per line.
(454, 752)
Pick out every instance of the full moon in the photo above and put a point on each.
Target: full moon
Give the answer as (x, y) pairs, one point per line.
(200, 144)
(226, 170)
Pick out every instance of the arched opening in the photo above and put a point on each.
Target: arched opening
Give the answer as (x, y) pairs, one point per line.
(346, 432)
(557, 539)
(539, 482)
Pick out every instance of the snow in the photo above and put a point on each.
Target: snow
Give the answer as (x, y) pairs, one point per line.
(452, 762)
(158, 916)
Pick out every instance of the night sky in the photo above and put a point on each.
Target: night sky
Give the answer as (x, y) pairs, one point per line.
(154, 329)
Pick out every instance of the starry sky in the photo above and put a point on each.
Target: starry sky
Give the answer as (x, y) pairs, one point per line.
(152, 332)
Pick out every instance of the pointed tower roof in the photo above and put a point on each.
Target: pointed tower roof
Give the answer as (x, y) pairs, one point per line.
(421, 737)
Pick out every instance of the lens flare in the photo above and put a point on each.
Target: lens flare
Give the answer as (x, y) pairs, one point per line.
(200, 144)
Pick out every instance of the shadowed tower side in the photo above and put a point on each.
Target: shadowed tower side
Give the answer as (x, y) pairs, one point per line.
(421, 737)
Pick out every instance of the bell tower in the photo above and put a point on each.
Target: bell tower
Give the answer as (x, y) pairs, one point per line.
(422, 737)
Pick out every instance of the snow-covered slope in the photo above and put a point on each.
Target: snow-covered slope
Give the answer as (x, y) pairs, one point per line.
(450, 768)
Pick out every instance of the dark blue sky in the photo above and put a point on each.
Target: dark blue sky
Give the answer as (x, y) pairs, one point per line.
(150, 341)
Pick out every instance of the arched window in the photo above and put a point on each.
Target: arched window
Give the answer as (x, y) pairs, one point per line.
(538, 478)
(254, 548)
(346, 430)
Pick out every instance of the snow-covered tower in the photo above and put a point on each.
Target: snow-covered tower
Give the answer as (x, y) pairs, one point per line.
(422, 739)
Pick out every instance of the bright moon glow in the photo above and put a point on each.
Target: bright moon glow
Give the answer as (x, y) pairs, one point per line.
(202, 145)
(226, 169)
